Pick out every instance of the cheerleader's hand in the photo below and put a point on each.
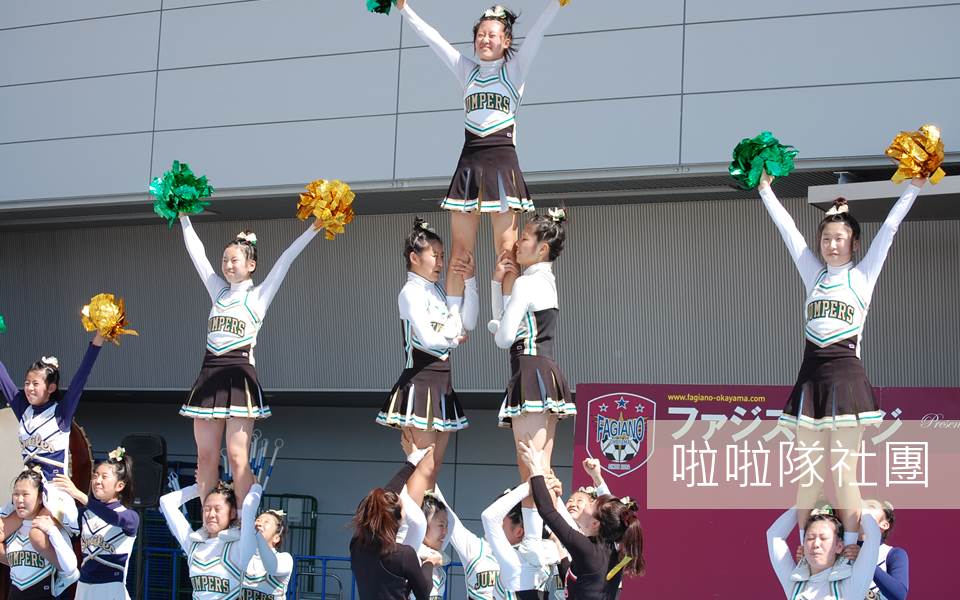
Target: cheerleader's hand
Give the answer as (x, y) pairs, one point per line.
(64, 483)
(592, 467)
(851, 552)
(505, 264)
(98, 340)
(431, 557)
(401, 4)
(44, 523)
(464, 265)
(919, 181)
(798, 555)
(531, 457)
(414, 455)
(766, 179)
(554, 484)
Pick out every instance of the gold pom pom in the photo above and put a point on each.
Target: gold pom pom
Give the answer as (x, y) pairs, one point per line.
(331, 202)
(920, 154)
(106, 316)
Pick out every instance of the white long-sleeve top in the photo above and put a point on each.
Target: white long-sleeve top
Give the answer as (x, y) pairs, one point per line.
(217, 563)
(838, 298)
(28, 567)
(841, 582)
(533, 291)
(267, 574)
(429, 324)
(524, 566)
(492, 90)
(481, 572)
(239, 308)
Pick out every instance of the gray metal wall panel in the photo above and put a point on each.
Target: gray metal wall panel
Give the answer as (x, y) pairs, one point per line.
(286, 90)
(656, 293)
(83, 107)
(282, 153)
(454, 20)
(709, 10)
(855, 120)
(23, 13)
(80, 49)
(76, 167)
(221, 34)
(724, 56)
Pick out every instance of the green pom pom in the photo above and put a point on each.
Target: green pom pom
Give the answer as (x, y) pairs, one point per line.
(380, 6)
(179, 191)
(753, 155)
(3, 325)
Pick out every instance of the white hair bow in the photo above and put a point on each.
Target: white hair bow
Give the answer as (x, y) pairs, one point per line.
(497, 12)
(250, 238)
(50, 360)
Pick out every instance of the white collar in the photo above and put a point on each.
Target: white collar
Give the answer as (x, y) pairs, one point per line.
(841, 269)
(490, 64)
(841, 569)
(421, 281)
(229, 534)
(244, 285)
(540, 267)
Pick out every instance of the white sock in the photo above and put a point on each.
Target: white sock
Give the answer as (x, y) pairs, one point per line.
(454, 303)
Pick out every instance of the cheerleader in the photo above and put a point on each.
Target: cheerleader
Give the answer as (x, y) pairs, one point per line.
(108, 528)
(891, 578)
(36, 573)
(45, 417)
(832, 399)
(226, 397)
(384, 562)
(422, 402)
(525, 321)
(516, 541)
(268, 574)
(218, 553)
(606, 544)
(488, 176)
(822, 575)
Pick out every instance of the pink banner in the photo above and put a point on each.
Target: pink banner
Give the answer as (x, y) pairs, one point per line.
(650, 442)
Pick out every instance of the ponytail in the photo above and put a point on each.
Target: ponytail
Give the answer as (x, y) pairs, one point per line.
(377, 519)
(620, 527)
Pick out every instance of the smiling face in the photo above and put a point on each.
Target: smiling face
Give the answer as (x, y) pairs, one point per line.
(837, 244)
(821, 546)
(25, 499)
(586, 519)
(436, 530)
(105, 485)
(428, 263)
(235, 265)
(36, 389)
(218, 513)
(491, 40)
(577, 502)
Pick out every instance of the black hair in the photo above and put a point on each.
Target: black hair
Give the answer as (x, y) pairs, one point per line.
(29, 473)
(248, 247)
(226, 490)
(419, 239)
(432, 505)
(503, 15)
(620, 528)
(841, 214)
(549, 230)
(516, 514)
(123, 468)
(50, 367)
(888, 514)
(828, 517)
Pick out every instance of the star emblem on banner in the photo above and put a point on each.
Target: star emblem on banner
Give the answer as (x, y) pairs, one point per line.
(603, 408)
(621, 403)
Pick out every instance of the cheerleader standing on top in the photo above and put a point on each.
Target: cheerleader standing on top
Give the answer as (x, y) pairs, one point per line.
(108, 528)
(832, 399)
(218, 553)
(525, 321)
(488, 176)
(36, 573)
(227, 397)
(422, 401)
(268, 573)
(45, 416)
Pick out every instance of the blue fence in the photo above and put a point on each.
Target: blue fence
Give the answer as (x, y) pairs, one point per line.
(306, 568)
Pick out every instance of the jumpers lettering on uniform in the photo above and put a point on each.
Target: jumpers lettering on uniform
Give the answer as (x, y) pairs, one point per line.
(26, 558)
(248, 594)
(210, 583)
(486, 579)
(830, 309)
(226, 324)
(487, 101)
